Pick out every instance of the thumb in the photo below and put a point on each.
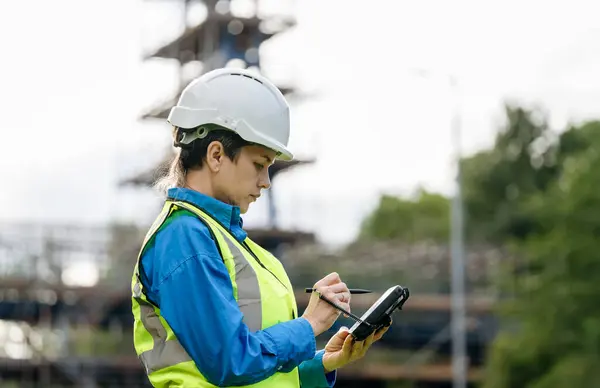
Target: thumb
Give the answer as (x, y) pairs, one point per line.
(343, 332)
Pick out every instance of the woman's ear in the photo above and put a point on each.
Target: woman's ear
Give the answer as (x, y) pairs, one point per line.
(214, 156)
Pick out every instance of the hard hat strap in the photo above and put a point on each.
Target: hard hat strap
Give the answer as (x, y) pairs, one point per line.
(184, 138)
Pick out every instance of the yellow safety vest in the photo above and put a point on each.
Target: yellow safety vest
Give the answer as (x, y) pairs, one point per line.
(261, 288)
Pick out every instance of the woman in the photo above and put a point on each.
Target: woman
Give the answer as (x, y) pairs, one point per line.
(211, 307)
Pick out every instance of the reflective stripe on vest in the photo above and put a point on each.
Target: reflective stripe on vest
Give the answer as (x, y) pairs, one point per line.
(163, 356)
(248, 290)
(165, 353)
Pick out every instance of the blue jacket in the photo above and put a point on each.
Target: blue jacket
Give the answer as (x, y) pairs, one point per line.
(184, 275)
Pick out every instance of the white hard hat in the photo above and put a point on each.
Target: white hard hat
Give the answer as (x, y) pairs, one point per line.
(241, 101)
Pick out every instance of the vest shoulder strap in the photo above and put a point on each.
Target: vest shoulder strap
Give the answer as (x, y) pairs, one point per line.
(169, 208)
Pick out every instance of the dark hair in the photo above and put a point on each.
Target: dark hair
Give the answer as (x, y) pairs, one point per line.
(193, 155)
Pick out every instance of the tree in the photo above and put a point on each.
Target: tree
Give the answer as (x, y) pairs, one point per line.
(496, 182)
(557, 342)
(425, 218)
(539, 193)
(526, 159)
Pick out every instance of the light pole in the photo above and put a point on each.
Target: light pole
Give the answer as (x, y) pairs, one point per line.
(459, 339)
(457, 250)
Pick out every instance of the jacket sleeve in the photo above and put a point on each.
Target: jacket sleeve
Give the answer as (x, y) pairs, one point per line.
(312, 374)
(196, 299)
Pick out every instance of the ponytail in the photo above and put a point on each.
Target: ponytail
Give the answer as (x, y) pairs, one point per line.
(175, 176)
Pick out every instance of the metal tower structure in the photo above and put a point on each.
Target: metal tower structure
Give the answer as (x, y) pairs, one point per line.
(222, 39)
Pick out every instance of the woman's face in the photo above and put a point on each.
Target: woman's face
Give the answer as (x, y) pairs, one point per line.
(240, 181)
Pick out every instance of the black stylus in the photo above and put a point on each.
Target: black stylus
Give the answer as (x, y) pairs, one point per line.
(352, 291)
(357, 319)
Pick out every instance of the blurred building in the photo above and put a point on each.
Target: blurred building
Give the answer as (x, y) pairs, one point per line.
(61, 329)
(58, 333)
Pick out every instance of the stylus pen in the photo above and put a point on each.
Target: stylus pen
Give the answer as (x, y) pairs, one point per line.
(352, 291)
(348, 313)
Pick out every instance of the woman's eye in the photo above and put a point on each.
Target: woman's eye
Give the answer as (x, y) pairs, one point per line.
(259, 166)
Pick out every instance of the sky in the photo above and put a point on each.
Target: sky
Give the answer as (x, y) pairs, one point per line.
(74, 84)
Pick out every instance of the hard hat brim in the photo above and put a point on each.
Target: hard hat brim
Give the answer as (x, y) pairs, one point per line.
(188, 118)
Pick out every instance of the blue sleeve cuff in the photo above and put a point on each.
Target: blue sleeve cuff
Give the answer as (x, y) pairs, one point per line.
(312, 374)
(331, 376)
(294, 341)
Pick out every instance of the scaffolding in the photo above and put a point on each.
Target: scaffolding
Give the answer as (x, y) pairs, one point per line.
(60, 334)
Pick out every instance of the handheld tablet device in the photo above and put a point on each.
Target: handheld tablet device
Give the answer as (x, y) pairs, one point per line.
(379, 314)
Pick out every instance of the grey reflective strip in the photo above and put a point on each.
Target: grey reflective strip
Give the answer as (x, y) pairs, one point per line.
(164, 353)
(137, 288)
(248, 289)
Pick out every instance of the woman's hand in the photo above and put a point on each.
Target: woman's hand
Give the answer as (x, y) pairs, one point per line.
(319, 313)
(342, 349)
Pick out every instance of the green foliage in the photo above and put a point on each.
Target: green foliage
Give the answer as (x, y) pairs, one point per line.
(425, 218)
(539, 193)
(527, 158)
(496, 182)
(556, 296)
